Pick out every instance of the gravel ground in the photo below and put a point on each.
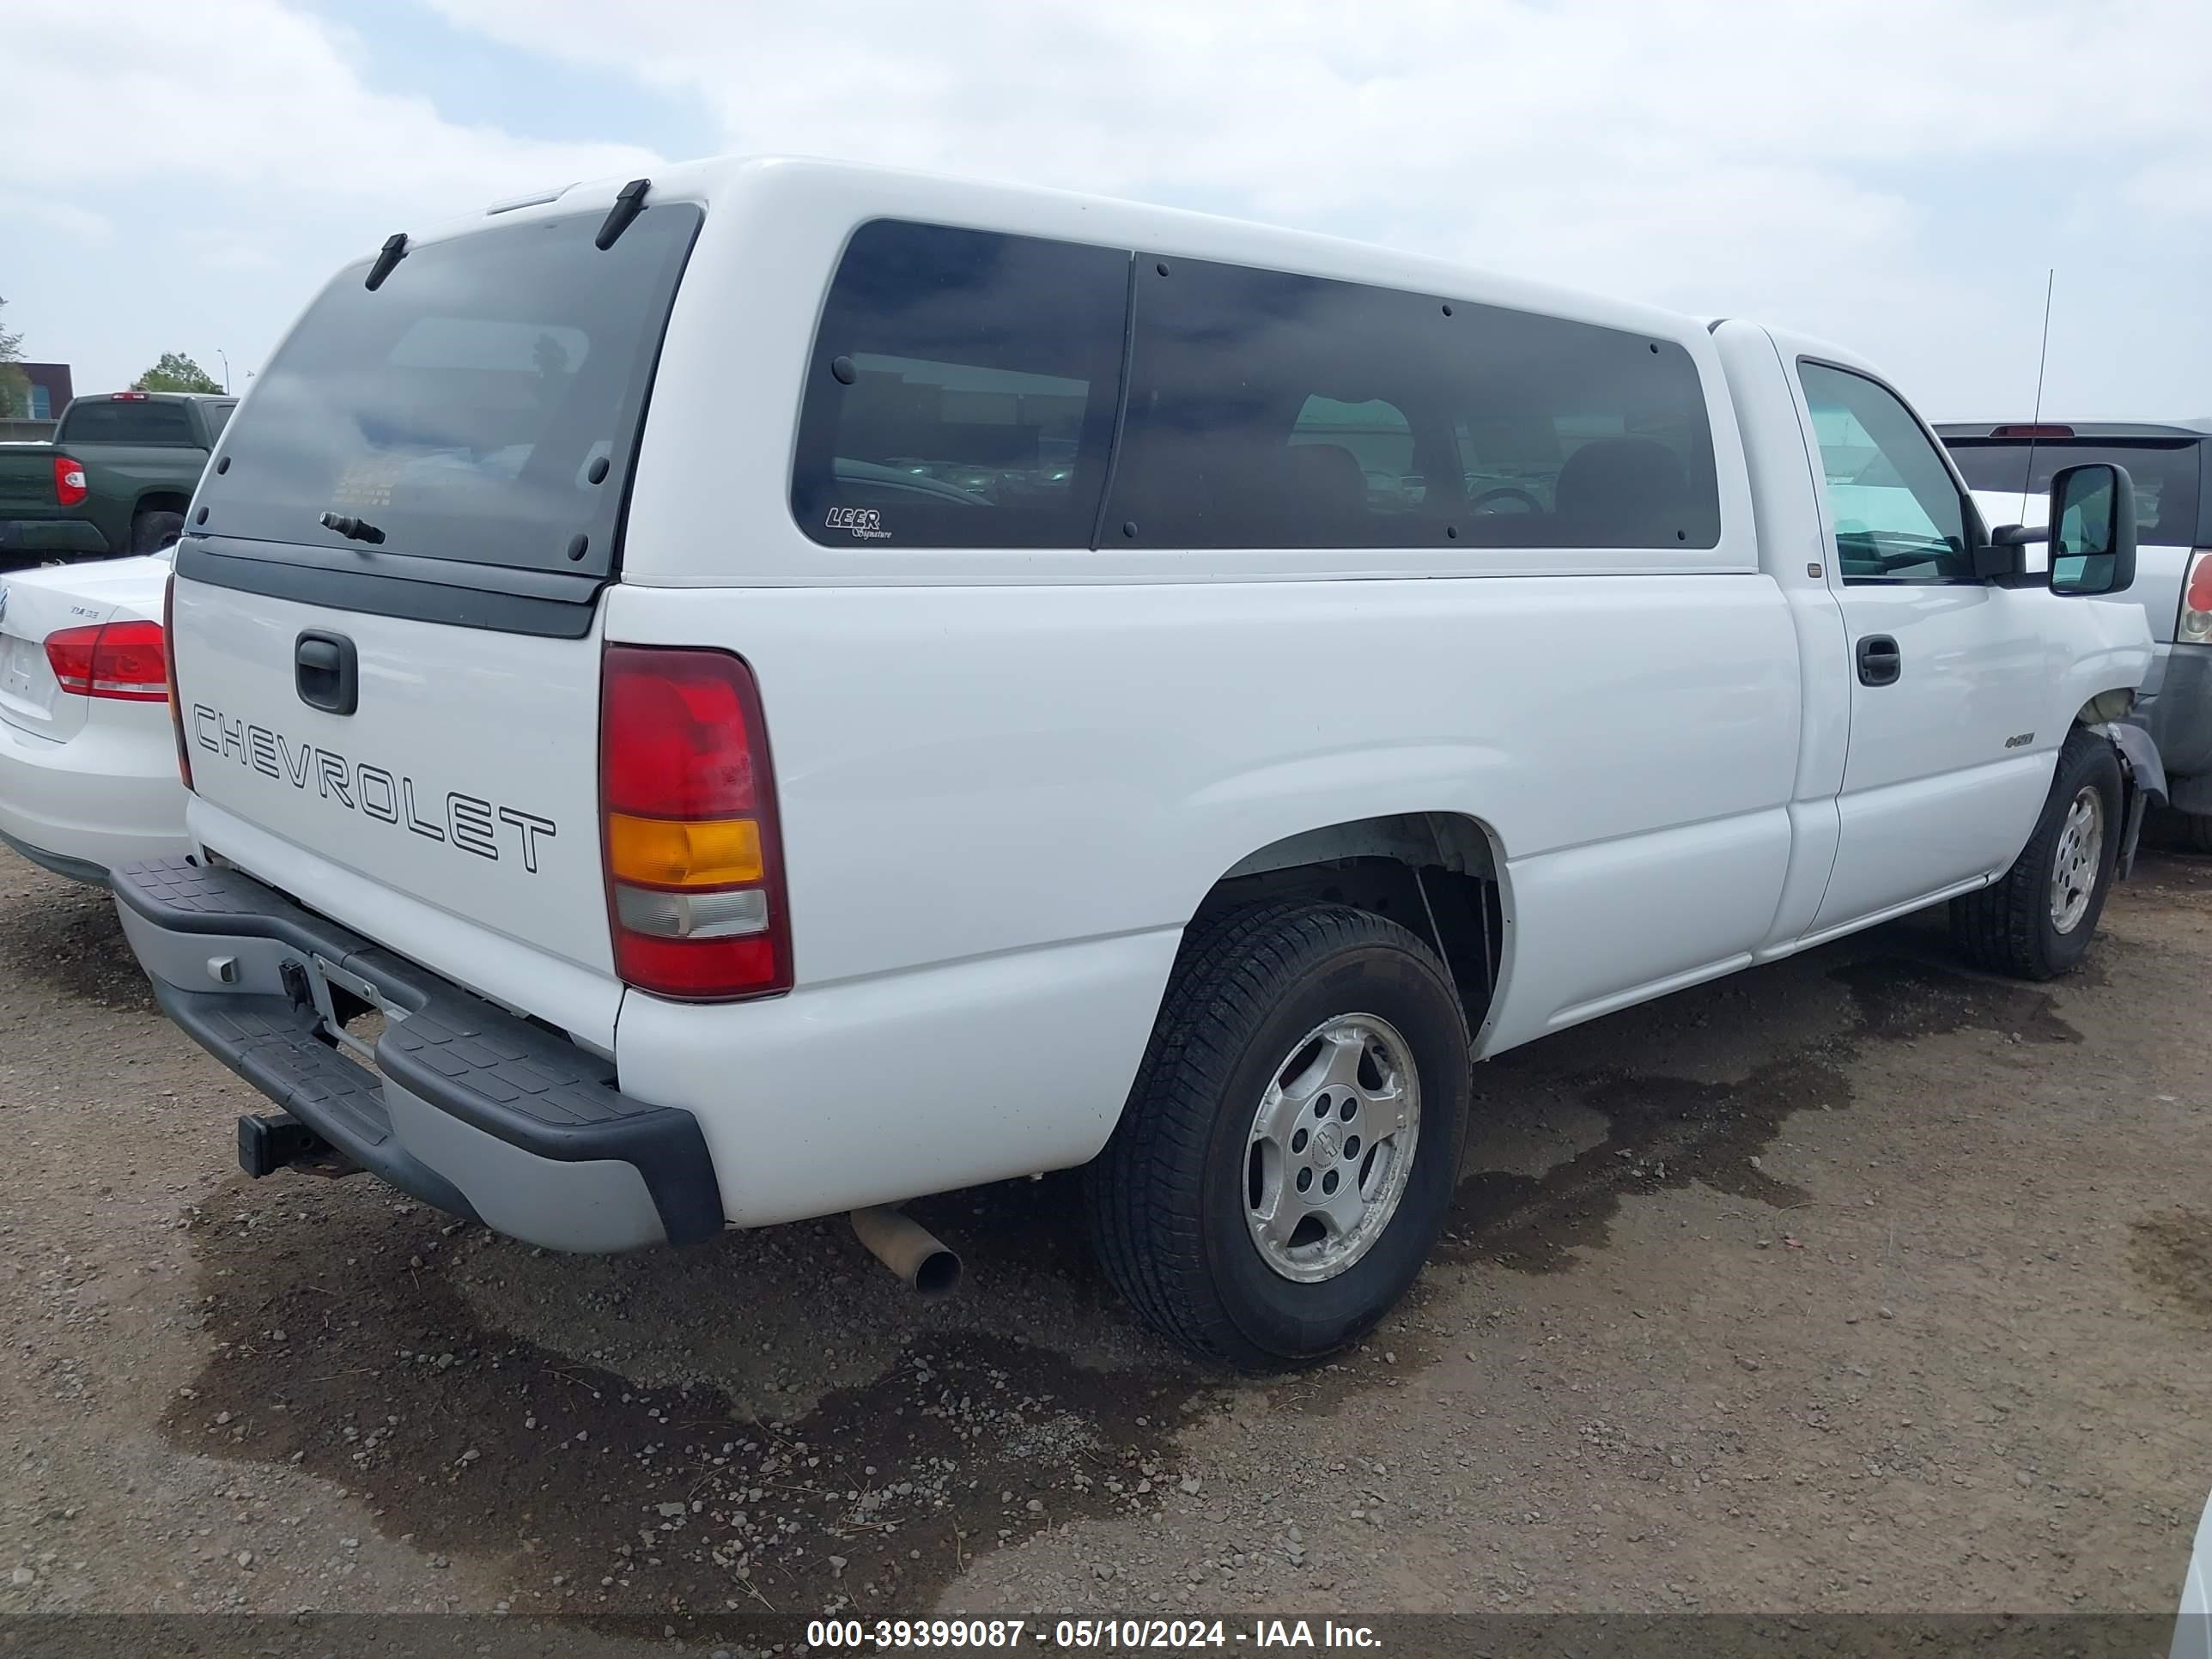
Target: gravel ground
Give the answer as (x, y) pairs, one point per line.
(1853, 1283)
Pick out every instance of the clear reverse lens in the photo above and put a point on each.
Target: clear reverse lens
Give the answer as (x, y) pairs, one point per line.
(691, 915)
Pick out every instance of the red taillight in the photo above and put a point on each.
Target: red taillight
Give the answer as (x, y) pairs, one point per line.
(69, 487)
(2200, 581)
(131, 662)
(2194, 625)
(176, 703)
(123, 660)
(70, 654)
(2033, 432)
(693, 857)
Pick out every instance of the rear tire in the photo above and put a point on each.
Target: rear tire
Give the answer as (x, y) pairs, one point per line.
(2036, 921)
(1286, 1031)
(152, 531)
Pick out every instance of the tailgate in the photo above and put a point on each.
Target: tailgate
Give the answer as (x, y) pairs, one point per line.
(27, 478)
(467, 775)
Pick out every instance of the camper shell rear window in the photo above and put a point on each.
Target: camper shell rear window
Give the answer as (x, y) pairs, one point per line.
(481, 405)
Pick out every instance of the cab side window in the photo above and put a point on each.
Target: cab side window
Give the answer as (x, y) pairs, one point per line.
(1899, 517)
(1267, 408)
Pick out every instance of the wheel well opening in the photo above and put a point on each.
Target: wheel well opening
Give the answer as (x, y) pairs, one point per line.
(161, 501)
(1434, 873)
(2105, 707)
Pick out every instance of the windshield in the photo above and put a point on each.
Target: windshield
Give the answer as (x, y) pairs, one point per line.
(2165, 475)
(480, 406)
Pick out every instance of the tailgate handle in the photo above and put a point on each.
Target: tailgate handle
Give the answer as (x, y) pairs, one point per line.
(327, 672)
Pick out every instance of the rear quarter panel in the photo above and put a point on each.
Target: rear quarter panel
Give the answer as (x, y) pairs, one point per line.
(1000, 806)
(120, 476)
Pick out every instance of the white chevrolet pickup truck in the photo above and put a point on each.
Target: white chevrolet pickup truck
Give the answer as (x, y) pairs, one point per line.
(783, 688)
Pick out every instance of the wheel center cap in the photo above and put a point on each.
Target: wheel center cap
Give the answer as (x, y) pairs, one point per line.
(1328, 1144)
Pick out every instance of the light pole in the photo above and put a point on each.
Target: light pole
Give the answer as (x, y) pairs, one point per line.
(225, 355)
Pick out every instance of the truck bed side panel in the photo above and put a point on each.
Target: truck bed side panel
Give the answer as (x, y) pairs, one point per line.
(1000, 774)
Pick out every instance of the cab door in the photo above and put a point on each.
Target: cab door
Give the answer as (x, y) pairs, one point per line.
(1945, 771)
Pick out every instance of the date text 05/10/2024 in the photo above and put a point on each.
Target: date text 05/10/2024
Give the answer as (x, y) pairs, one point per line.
(887, 1635)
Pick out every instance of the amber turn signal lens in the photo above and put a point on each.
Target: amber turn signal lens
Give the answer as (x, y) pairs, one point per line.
(676, 852)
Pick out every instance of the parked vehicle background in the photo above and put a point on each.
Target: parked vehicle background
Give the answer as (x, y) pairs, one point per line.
(88, 761)
(115, 478)
(2009, 468)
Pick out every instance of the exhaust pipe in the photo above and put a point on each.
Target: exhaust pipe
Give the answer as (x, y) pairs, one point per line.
(907, 1248)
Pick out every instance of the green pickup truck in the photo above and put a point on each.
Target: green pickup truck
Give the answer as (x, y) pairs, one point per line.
(116, 478)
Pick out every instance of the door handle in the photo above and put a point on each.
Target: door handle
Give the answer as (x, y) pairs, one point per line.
(326, 672)
(1880, 663)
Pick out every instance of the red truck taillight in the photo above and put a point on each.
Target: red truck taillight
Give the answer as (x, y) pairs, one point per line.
(693, 856)
(124, 660)
(176, 703)
(69, 487)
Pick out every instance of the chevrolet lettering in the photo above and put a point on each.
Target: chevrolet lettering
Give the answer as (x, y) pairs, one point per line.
(464, 821)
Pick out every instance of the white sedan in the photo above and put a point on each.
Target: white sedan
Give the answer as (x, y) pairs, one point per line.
(87, 755)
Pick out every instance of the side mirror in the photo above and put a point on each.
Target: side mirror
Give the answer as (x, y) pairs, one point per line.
(2093, 537)
(2093, 545)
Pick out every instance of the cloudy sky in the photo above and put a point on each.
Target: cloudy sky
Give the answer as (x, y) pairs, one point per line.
(180, 174)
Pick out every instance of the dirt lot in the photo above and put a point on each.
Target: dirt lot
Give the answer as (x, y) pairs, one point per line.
(1851, 1284)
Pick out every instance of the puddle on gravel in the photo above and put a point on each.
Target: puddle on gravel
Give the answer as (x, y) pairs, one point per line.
(342, 1344)
(776, 1320)
(1661, 1131)
(2171, 1253)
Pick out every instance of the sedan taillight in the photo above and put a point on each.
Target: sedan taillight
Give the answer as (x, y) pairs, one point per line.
(124, 660)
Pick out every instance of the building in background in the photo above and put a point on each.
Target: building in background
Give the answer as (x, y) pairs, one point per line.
(50, 390)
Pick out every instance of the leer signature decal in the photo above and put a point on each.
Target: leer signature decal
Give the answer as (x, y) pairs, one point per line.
(866, 523)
